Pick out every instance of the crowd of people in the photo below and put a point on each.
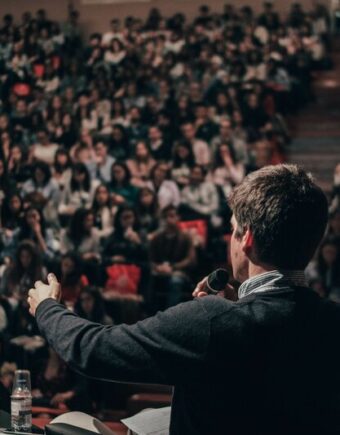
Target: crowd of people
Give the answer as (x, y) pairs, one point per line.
(118, 153)
(323, 273)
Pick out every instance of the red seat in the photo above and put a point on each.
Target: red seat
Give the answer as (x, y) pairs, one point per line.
(39, 70)
(123, 278)
(197, 227)
(22, 89)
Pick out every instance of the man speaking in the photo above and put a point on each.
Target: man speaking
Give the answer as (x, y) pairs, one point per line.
(266, 364)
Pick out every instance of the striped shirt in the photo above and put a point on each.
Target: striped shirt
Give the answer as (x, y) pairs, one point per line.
(273, 280)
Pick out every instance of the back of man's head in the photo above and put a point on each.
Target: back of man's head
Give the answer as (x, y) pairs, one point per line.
(286, 212)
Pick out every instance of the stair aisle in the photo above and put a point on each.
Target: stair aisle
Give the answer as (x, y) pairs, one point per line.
(316, 129)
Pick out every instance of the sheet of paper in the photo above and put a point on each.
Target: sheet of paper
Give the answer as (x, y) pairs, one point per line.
(84, 421)
(150, 422)
(78, 419)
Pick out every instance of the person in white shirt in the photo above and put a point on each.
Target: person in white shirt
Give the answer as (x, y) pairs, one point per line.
(100, 168)
(167, 190)
(113, 33)
(200, 198)
(44, 150)
(79, 192)
(116, 53)
(227, 173)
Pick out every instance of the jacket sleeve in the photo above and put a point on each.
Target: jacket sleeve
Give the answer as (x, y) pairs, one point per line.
(166, 348)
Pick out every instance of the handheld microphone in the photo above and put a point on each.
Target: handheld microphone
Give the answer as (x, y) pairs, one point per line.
(217, 281)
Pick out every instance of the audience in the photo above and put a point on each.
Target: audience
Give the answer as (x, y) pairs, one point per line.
(108, 146)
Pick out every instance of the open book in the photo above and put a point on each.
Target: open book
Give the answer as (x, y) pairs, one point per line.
(148, 422)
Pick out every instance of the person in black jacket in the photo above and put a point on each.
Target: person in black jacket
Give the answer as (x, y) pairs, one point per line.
(265, 364)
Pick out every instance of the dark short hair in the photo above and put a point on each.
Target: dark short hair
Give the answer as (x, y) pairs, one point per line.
(286, 212)
(168, 209)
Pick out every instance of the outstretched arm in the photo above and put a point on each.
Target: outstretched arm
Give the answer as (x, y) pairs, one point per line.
(167, 348)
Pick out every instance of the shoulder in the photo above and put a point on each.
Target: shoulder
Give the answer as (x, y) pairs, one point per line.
(215, 306)
(208, 186)
(64, 234)
(53, 184)
(185, 237)
(200, 143)
(157, 237)
(169, 184)
(95, 234)
(94, 184)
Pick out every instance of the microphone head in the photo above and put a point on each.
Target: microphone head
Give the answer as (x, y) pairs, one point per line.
(218, 279)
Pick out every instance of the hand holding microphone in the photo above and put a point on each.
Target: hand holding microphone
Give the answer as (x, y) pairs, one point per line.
(215, 284)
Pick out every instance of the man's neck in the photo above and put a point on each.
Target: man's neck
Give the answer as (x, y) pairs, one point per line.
(258, 269)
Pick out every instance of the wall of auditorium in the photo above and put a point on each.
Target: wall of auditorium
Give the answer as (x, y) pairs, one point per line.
(96, 14)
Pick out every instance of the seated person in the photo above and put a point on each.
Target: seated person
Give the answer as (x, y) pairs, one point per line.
(23, 271)
(83, 238)
(173, 257)
(123, 192)
(57, 385)
(125, 243)
(79, 192)
(72, 277)
(199, 200)
(90, 306)
(141, 165)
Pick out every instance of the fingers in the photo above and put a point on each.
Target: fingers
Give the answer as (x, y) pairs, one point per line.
(51, 278)
(55, 286)
(202, 294)
(200, 287)
(38, 284)
(30, 301)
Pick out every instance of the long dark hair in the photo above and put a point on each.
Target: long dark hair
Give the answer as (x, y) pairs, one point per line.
(323, 267)
(45, 169)
(8, 220)
(76, 227)
(73, 278)
(177, 161)
(16, 270)
(153, 208)
(98, 312)
(119, 230)
(25, 231)
(4, 176)
(95, 205)
(58, 168)
(80, 167)
(126, 180)
(218, 159)
(113, 112)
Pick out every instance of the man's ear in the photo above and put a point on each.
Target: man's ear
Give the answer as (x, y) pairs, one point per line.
(247, 241)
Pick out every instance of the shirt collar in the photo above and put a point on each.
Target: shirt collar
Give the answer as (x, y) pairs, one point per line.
(273, 280)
